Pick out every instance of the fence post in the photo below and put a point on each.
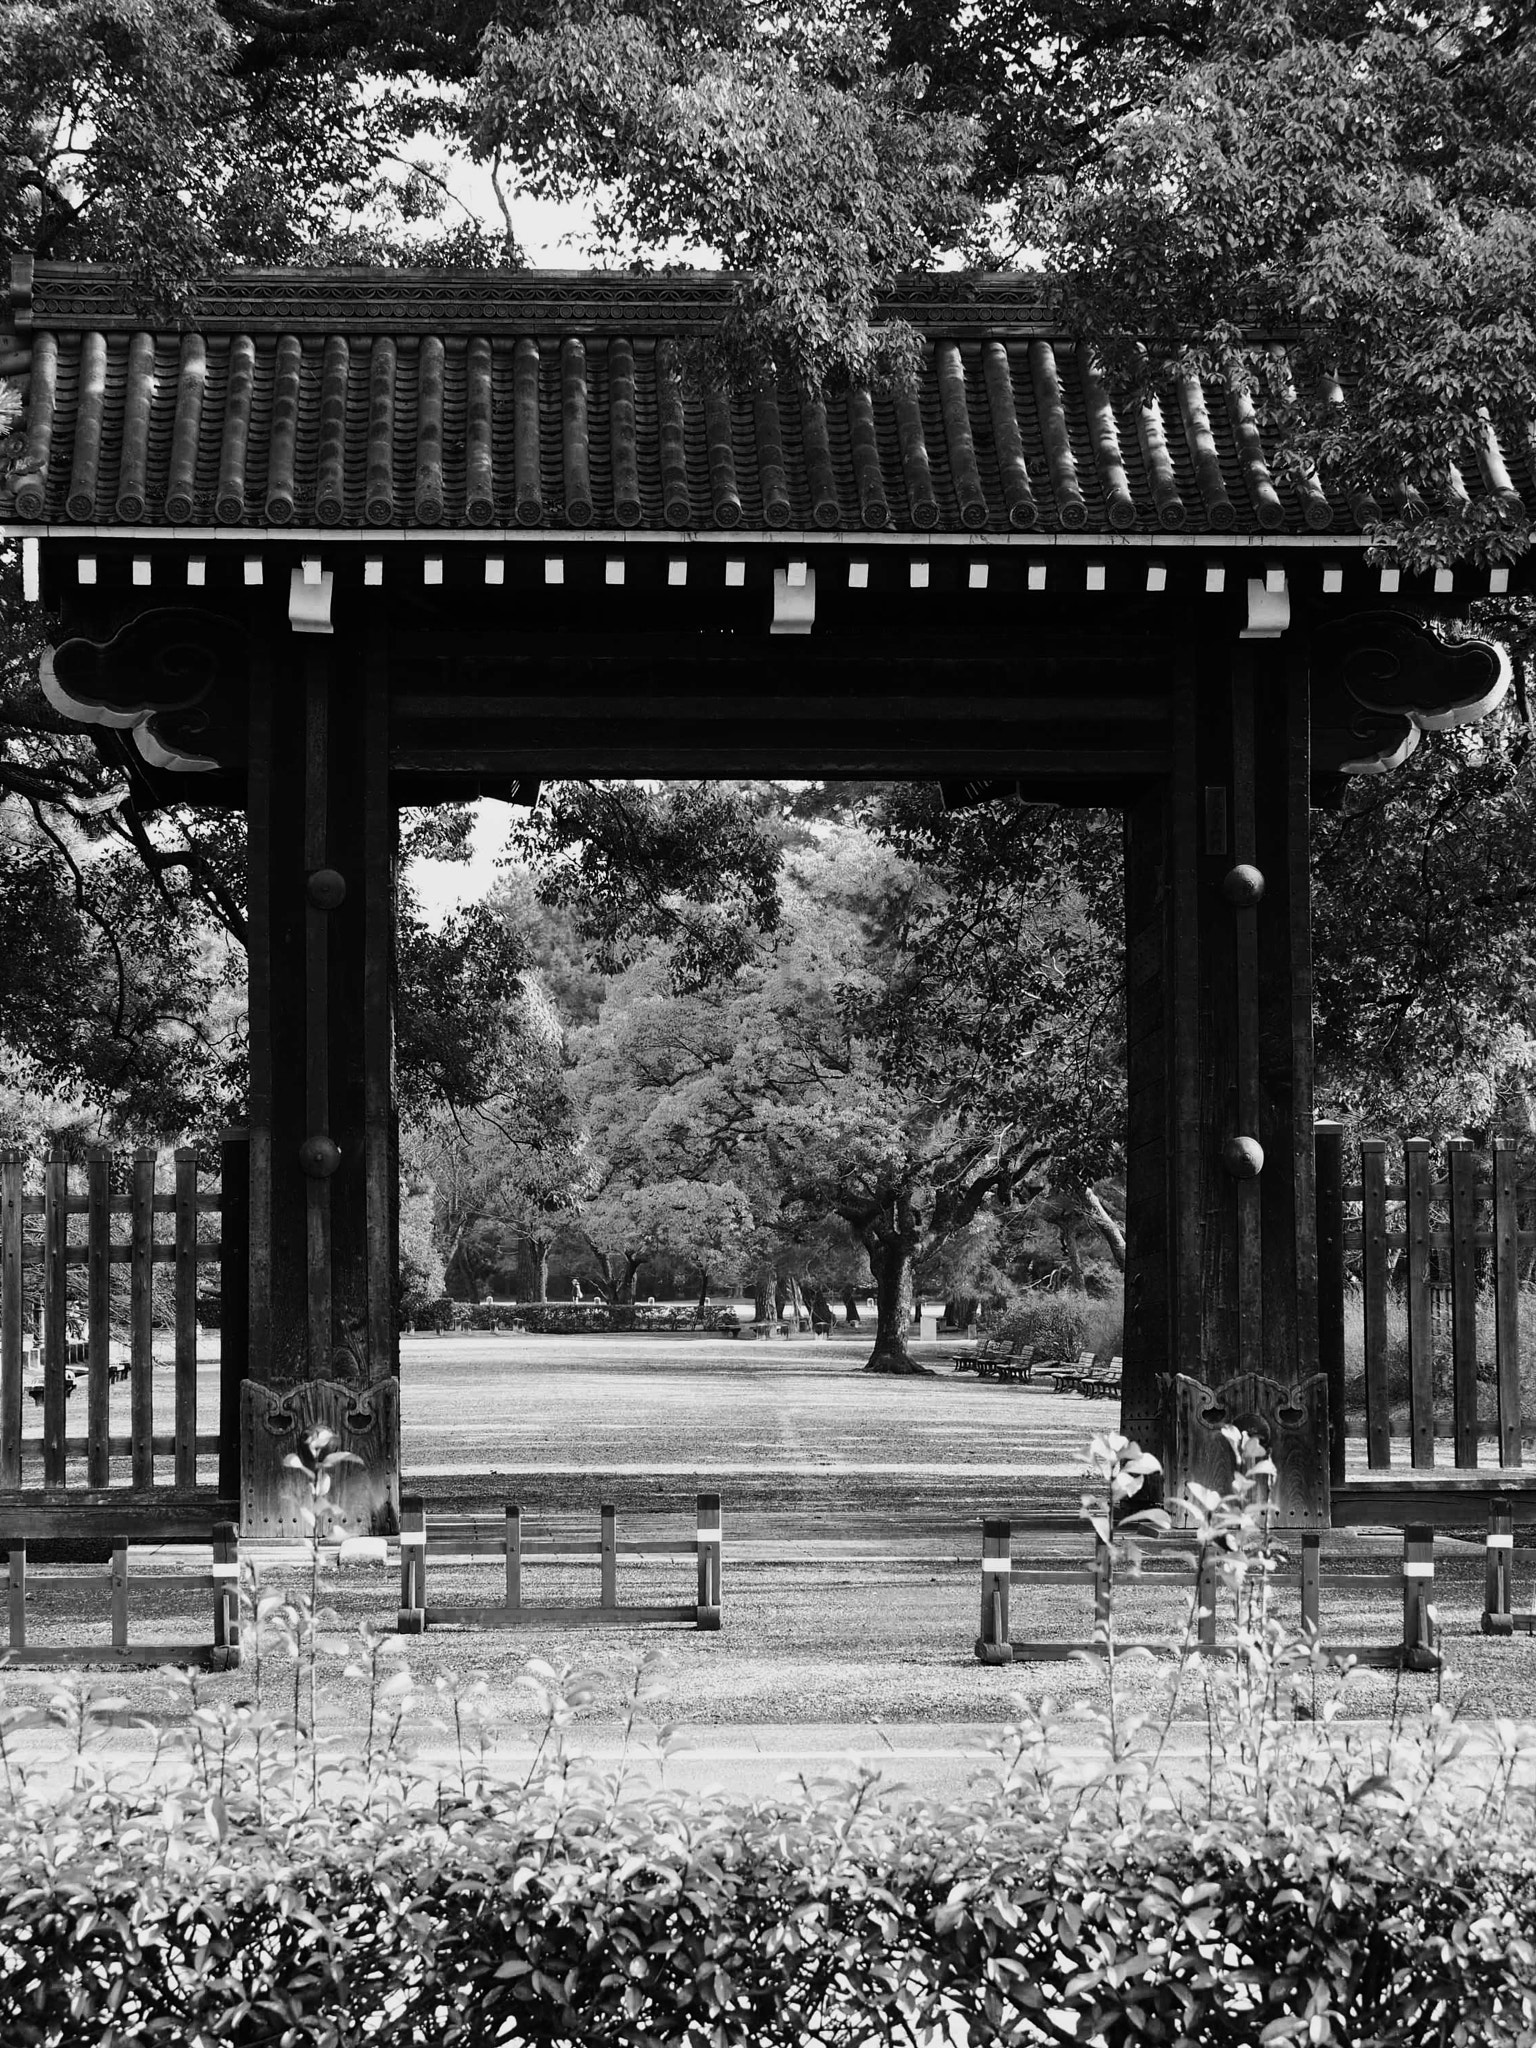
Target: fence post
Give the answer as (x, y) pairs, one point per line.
(1373, 1239)
(1506, 1297)
(1498, 1572)
(141, 1317)
(234, 1299)
(514, 1543)
(55, 1318)
(412, 1619)
(1312, 1582)
(710, 1541)
(1205, 1598)
(608, 1561)
(186, 1316)
(12, 1322)
(1419, 1652)
(1461, 1164)
(98, 1253)
(16, 1588)
(226, 1597)
(120, 1593)
(1421, 1342)
(1329, 1144)
(992, 1645)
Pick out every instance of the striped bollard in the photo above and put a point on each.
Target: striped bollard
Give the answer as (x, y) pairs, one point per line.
(1419, 1652)
(412, 1619)
(992, 1645)
(16, 1592)
(225, 1574)
(1498, 1571)
(608, 1560)
(710, 1540)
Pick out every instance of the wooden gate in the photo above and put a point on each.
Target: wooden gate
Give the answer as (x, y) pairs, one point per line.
(1394, 1246)
(88, 1223)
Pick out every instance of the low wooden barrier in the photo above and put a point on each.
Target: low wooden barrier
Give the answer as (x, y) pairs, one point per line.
(463, 1540)
(1416, 1650)
(223, 1580)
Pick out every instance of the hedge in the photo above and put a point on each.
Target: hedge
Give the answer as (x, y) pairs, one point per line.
(564, 1318)
(1295, 1884)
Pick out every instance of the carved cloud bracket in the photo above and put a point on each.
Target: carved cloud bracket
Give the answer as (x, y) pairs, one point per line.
(1381, 679)
(1292, 1421)
(170, 676)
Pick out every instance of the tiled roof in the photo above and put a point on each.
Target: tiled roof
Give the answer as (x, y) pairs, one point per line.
(378, 400)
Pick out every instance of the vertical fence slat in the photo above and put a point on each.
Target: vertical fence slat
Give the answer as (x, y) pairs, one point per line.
(12, 1322)
(1421, 1342)
(55, 1316)
(98, 1392)
(1506, 1297)
(1373, 1238)
(1461, 1161)
(186, 1316)
(141, 1316)
(1329, 1146)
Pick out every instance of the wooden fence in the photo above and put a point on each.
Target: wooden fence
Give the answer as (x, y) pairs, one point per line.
(1427, 1240)
(101, 1217)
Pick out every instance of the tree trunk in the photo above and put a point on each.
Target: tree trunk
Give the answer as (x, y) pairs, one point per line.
(762, 1295)
(1107, 1227)
(891, 1244)
(703, 1289)
(851, 1309)
(540, 1269)
(1067, 1231)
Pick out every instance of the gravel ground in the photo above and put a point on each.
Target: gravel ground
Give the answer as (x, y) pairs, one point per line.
(851, 1511)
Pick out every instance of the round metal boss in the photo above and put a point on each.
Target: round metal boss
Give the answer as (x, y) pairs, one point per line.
(1243, 885)
(327, 889)
(1243, 1158)
(319, 1156)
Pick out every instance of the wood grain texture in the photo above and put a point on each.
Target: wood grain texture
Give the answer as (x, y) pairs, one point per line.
(12, 1319)
(1329, 1140)
(55, 1318)
(1373, 1269)
(365, 1498)
(186, 1316)
(1421, 1342)
(98, 1314)
(1506, 1297)
(1462, 1162)
(1290, 1420)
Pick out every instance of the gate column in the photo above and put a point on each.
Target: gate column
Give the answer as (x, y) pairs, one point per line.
(1221, 1279)
(324, 1178)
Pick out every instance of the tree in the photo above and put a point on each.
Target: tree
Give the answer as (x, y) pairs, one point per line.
(1356, 177)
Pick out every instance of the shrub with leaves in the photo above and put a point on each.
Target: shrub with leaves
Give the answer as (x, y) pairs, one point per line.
(260, 1886)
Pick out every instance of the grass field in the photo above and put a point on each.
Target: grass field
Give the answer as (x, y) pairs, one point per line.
(851, 1509)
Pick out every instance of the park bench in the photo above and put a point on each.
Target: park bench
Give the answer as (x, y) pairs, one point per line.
(990, 1352)
(999, 1361)
(1016, 1370)
(1100, 1382)
(1063, 1377)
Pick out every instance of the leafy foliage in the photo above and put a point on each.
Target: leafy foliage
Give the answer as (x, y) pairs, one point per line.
(1299, 1885)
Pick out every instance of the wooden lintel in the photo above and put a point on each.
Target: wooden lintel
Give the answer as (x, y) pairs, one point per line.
(1001, 707)
(762, 755)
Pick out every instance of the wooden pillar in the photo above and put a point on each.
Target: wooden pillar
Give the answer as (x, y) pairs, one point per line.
(1221, 1269)
(323, 1179)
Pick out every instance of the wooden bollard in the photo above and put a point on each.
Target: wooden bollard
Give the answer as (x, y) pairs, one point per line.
(1205, 1599)
(412, 1619)
(514, 1556)
(1312, 1583)
(16, 1591)
(992, 1645)
(118, 1580)
(1419, 1652)
(608, 1561)
(1498, 1571)
(226, 1597)
(710, 1538)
